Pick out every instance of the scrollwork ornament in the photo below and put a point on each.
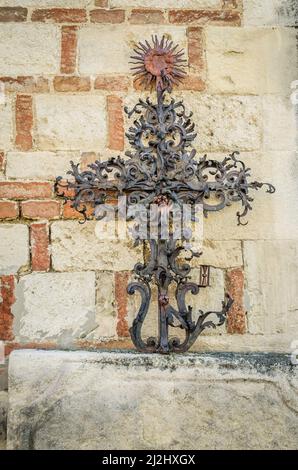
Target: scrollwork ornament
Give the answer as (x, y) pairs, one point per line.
(162, 169)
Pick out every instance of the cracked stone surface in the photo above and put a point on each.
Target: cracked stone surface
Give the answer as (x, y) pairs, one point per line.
(86, 400)
(54, 306)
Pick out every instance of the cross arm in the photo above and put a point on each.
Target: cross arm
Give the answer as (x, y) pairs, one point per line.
(214, 184)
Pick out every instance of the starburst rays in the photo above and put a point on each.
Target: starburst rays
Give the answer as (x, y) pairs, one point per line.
(159, 64)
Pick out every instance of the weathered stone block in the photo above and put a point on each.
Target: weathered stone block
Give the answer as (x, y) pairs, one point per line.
(116, 45)
(106, 314)
(58, 307)
(250, 60)
(71, 122)
(222, 122)
(270, 12)
(252, 343)
(83, 247)
(29, 49)
(220, 254)
(39, 165)
(225, 122)
(199, 397)
(280, 123)
(6, 127)
(271, 217)
(271, 293)
(14, 248)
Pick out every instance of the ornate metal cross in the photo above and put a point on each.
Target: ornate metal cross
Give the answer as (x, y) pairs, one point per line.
(160, 171)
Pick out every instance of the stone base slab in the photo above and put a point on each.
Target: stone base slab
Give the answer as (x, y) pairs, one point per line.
(126, 400)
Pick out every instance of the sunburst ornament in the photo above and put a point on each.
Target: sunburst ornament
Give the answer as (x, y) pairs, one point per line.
(159, 64)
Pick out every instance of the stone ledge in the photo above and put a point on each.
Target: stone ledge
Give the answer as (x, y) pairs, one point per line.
(126, 400)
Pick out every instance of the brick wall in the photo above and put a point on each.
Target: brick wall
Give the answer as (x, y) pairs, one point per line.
(64, 68)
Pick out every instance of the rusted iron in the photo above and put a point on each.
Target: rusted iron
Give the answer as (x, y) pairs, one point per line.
(162, 170)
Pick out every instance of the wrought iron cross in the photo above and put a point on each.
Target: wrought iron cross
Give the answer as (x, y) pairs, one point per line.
(161, 171)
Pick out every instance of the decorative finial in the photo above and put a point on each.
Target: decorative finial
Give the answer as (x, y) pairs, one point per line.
(159, 64)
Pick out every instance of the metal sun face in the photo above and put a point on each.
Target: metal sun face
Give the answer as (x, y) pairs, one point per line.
(159, 64)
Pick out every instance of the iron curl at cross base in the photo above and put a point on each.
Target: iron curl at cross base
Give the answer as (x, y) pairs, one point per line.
(161, 169)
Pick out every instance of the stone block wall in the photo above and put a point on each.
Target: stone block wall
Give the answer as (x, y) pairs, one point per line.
(65, 79)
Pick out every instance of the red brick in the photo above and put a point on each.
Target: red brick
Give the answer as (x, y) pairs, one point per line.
(2, 161)
(25, 190)
(115, 123)
(41, 209)
(87, 158)
(71, 213)
(141, 16)
(12, 346)
(236, 319)
(121, 283)
(26, 84)
(72, 84)
(60, 15)
(15, 14)
(121, 343)
(24, 122)
(202, 17)
(101, 3)
(39, 242)
(114, 83)
(69, 42)
(196, 48)
(9, 210)
(7, 300)
(107, 16)
(192, 83)
(70, 192)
